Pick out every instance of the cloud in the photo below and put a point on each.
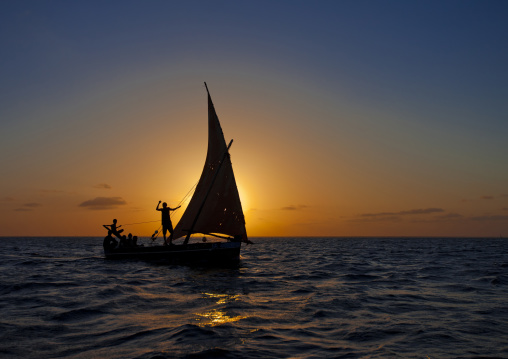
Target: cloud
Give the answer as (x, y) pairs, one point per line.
(404, 213)
(490, 218)
(487, 197)
(381, 218)
(32, 205)
(99, 203)
(51, 191)
(102, 186)
(294, 208)
(28, 207)
(7, 199)
(442, 218)
(422, 211)
(394, 216)
(379, 214)
(450, 216)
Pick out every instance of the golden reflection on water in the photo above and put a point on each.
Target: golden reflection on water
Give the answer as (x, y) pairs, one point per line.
(222, 298)
(214, 317)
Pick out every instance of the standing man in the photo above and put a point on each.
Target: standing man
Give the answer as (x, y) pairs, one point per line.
(166, 221)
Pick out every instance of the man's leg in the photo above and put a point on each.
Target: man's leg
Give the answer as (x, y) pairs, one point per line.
(170, 229)
(164, 230)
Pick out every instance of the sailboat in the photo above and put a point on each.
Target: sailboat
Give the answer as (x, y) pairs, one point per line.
(214, 210)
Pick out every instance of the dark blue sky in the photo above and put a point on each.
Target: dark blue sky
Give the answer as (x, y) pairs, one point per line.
(436, 49)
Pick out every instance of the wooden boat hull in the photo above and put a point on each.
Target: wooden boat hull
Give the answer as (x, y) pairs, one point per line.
(199, 253)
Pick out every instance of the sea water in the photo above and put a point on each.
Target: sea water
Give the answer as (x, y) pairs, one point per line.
(288, 298)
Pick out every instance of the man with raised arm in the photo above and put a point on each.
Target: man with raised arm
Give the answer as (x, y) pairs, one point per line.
(166, 221)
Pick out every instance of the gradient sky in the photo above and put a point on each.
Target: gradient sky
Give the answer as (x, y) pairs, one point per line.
(349, 118)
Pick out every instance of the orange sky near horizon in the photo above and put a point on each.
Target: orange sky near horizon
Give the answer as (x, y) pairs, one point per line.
(334, 134)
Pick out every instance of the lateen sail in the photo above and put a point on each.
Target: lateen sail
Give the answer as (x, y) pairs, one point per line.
(215, 206)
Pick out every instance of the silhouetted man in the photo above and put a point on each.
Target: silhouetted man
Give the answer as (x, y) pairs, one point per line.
(109, 241)
(113, 228)
(166, 221)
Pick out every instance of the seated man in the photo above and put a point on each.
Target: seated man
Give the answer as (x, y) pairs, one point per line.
(109, 242)
(114, 228)
(123, 242)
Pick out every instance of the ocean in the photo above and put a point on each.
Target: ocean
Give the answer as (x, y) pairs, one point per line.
(288, 298)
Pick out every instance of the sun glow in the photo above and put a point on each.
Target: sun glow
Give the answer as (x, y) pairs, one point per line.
(244, 198)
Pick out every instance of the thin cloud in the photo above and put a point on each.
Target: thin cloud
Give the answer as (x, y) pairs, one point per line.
(100, 203)
(32, 205)
(384, 218)
(422, 211)
(394, 216)
(404, 213)
(28, 207)
(490, 218)
(8, 199)
(51, 191)
(102, 186)
(450, 216)
(379, 214)
(487, 197)
(294, 208)
(441, 218)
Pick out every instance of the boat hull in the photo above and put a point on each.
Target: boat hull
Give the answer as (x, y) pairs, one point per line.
(200, 253)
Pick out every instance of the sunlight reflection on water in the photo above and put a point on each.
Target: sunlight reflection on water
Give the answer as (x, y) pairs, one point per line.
(218, 316)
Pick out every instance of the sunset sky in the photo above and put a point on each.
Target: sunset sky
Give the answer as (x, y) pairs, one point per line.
(349, 118)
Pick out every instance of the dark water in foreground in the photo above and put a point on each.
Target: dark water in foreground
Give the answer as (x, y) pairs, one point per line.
(288, 298)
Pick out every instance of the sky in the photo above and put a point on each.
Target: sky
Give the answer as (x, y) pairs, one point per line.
(349, 118)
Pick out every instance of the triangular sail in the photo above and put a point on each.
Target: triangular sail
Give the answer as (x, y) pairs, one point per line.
(215, 206)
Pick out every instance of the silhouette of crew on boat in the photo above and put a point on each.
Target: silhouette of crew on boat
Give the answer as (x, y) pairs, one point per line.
(125, 241)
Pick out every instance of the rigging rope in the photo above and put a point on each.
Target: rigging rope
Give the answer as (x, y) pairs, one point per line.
(130, 224)
(188, 193)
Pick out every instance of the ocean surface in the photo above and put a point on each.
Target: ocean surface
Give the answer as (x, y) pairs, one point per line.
(288, 298)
